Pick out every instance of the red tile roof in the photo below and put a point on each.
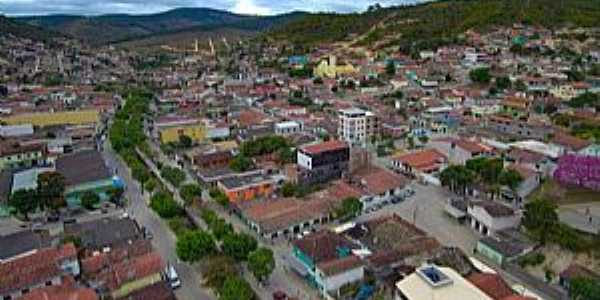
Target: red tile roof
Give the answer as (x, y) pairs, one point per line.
(378, 181)
(35, 268)
(491, 284)
(65, 291)
(422, 160)
(340, 265)
(326, 146)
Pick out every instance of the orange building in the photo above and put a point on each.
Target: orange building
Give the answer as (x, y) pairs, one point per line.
(246, 188)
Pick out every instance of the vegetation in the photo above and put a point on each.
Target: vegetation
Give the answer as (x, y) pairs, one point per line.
(173, 175)
(241, 163)
(219, 197)
(236, 288)
(585, 100)
(51, 190)
(584, 289)
(24, 202)
(532, 259)
(349, 208)
(164, 205)
(90, 200)
(238, 246)
(190, 192)
(193, 245)
(264, 145)
(480, 75)
(218, 269)
(261, 263)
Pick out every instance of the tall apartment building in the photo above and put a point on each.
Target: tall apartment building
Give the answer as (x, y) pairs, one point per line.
(322, 162)
(357, 126)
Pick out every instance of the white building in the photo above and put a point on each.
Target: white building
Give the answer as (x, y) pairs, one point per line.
(288, 128)
(357, 126)
(433, 282)
(488, 217)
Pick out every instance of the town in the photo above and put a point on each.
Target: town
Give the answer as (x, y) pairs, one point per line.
(252, 169)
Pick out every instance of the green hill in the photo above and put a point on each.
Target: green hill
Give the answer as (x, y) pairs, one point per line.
(435, 23)
(121, 27)
(23, 30)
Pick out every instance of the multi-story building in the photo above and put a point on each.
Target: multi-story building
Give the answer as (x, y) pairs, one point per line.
(322, 162)
(357, 126)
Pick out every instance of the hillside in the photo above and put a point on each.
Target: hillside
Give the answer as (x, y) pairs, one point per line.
(23, 30)
(116, 28)
(430, 24)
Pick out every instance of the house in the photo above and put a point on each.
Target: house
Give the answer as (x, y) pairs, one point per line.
(103, 233)
(45, 119)
(569, 143)
(21, 242)
(495, 287)
(9, 131)
(320, 163)
(329, 68)
(246, 188)
(428, 161)
(460, 150)
(437, 283)
(333, 275)
(500, 251)
(326, 261)
(39, 268)
(67, 290)
(211, 160)
(117, 272)
(378, 185)
(86, 171)
(357, 126)
(16, 154)
(488, 217)
(158, 291)
(288, 128)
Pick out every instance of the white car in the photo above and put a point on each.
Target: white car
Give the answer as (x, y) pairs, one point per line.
(171, 277)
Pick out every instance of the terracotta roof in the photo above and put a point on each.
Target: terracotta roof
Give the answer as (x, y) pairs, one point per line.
(524, 171)
(572, 142)
(322, 246)
(340, 265)
(35, 268)
(324, 147)
(251, 117)
(343, 190)
(157, 291)
(491, 284)
(379, 181)
(422, 160)
(65, 291)
(518, 297)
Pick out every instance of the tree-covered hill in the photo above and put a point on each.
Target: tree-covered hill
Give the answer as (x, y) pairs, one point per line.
(436, 22)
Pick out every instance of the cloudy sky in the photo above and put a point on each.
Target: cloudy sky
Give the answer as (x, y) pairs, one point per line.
(261, 7)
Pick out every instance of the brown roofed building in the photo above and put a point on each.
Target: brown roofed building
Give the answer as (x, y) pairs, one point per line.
(65, 291)
(44, 267)
(491, 284)
(421, 162)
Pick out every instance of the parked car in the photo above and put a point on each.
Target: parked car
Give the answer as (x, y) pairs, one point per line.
(147, 233)
(171, 277)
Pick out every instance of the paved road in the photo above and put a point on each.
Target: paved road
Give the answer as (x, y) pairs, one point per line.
(164, 239)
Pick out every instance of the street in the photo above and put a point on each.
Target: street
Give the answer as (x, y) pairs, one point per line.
(164, 239)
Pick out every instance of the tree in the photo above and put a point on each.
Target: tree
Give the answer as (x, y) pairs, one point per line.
(411, 142)
(164, 205)
(220, 228)
(349, 208)
(540, 217)
(584, 289)
(24, 202)
(51, 190)
(510, 178)
(288, 189)
(480, 75)
(173, 175)
(457, 178)
(185, 141)
(423, 139)
(89, 200)
(503, 83)
(520, 86)
(390, 68)
(190, 192)
(219, 197)
(238, 246)
(193, 245)
(261, 263)
(241, 163)
(115, 194)
(218, 269)
(236, 288)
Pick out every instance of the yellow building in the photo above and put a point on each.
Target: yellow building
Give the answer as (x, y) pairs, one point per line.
(171, 134)
(44, 119)
(330, 69)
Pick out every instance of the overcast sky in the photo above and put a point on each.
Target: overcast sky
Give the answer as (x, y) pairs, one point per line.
(260, 7)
